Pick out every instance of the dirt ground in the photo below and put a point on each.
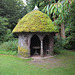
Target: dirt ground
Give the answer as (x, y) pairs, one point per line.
(46, 62)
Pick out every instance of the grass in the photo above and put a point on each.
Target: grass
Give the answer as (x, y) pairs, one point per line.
(13, 65)
(9, 52)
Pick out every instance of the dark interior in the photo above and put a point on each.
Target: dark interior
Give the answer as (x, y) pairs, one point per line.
(46, 45)
(35, 45)
(56, 0)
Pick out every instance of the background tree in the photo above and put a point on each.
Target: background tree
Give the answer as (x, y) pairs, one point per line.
(58, 11)
(3, 28)
(70, 28)
(10, 12)
(40, 3)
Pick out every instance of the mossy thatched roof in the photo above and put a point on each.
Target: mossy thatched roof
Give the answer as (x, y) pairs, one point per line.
(35, 21)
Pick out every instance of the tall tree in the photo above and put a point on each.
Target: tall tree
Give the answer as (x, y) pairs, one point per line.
(40, 3)
(3, 28)
(70, 28)
(59, 10)
(13, 10)
(10, 12)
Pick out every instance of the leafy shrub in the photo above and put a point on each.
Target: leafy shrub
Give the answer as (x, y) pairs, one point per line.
(70, 28)
(69, 43)
(9, 46)
(8, 35)
(58, 45)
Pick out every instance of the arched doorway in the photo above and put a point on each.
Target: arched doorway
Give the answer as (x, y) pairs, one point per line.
(35, 45)
(46, 45)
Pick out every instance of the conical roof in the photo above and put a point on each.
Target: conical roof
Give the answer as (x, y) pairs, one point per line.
(35, 21)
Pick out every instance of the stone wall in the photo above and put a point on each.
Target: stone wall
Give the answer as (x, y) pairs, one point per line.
(51, 44)
(23, 45)
(24, 42)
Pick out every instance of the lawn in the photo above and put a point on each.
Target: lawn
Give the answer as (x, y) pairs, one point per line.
(61, 64)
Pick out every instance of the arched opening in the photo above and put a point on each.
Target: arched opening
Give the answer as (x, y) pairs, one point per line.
(35, 45)
(46, 45)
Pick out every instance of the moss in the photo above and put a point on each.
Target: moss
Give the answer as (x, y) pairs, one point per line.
(22, 52)
(35, 21)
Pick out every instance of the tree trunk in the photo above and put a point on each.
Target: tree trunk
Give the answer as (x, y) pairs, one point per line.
(63, 31)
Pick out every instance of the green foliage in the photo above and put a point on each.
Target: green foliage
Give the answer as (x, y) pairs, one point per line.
(9, 46)
(40, 3)
(58, 45)
(63, 12)
(8, 35)
(5, 33)
(30, 5)
(10, 12)
(3, 28)
(70, 28)
(13, 10)
(35, 21)
(58, 9)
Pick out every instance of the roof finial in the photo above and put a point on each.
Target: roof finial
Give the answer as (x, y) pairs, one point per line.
(36, 8)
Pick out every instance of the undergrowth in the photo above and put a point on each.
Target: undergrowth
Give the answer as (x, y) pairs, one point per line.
(9, 47)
